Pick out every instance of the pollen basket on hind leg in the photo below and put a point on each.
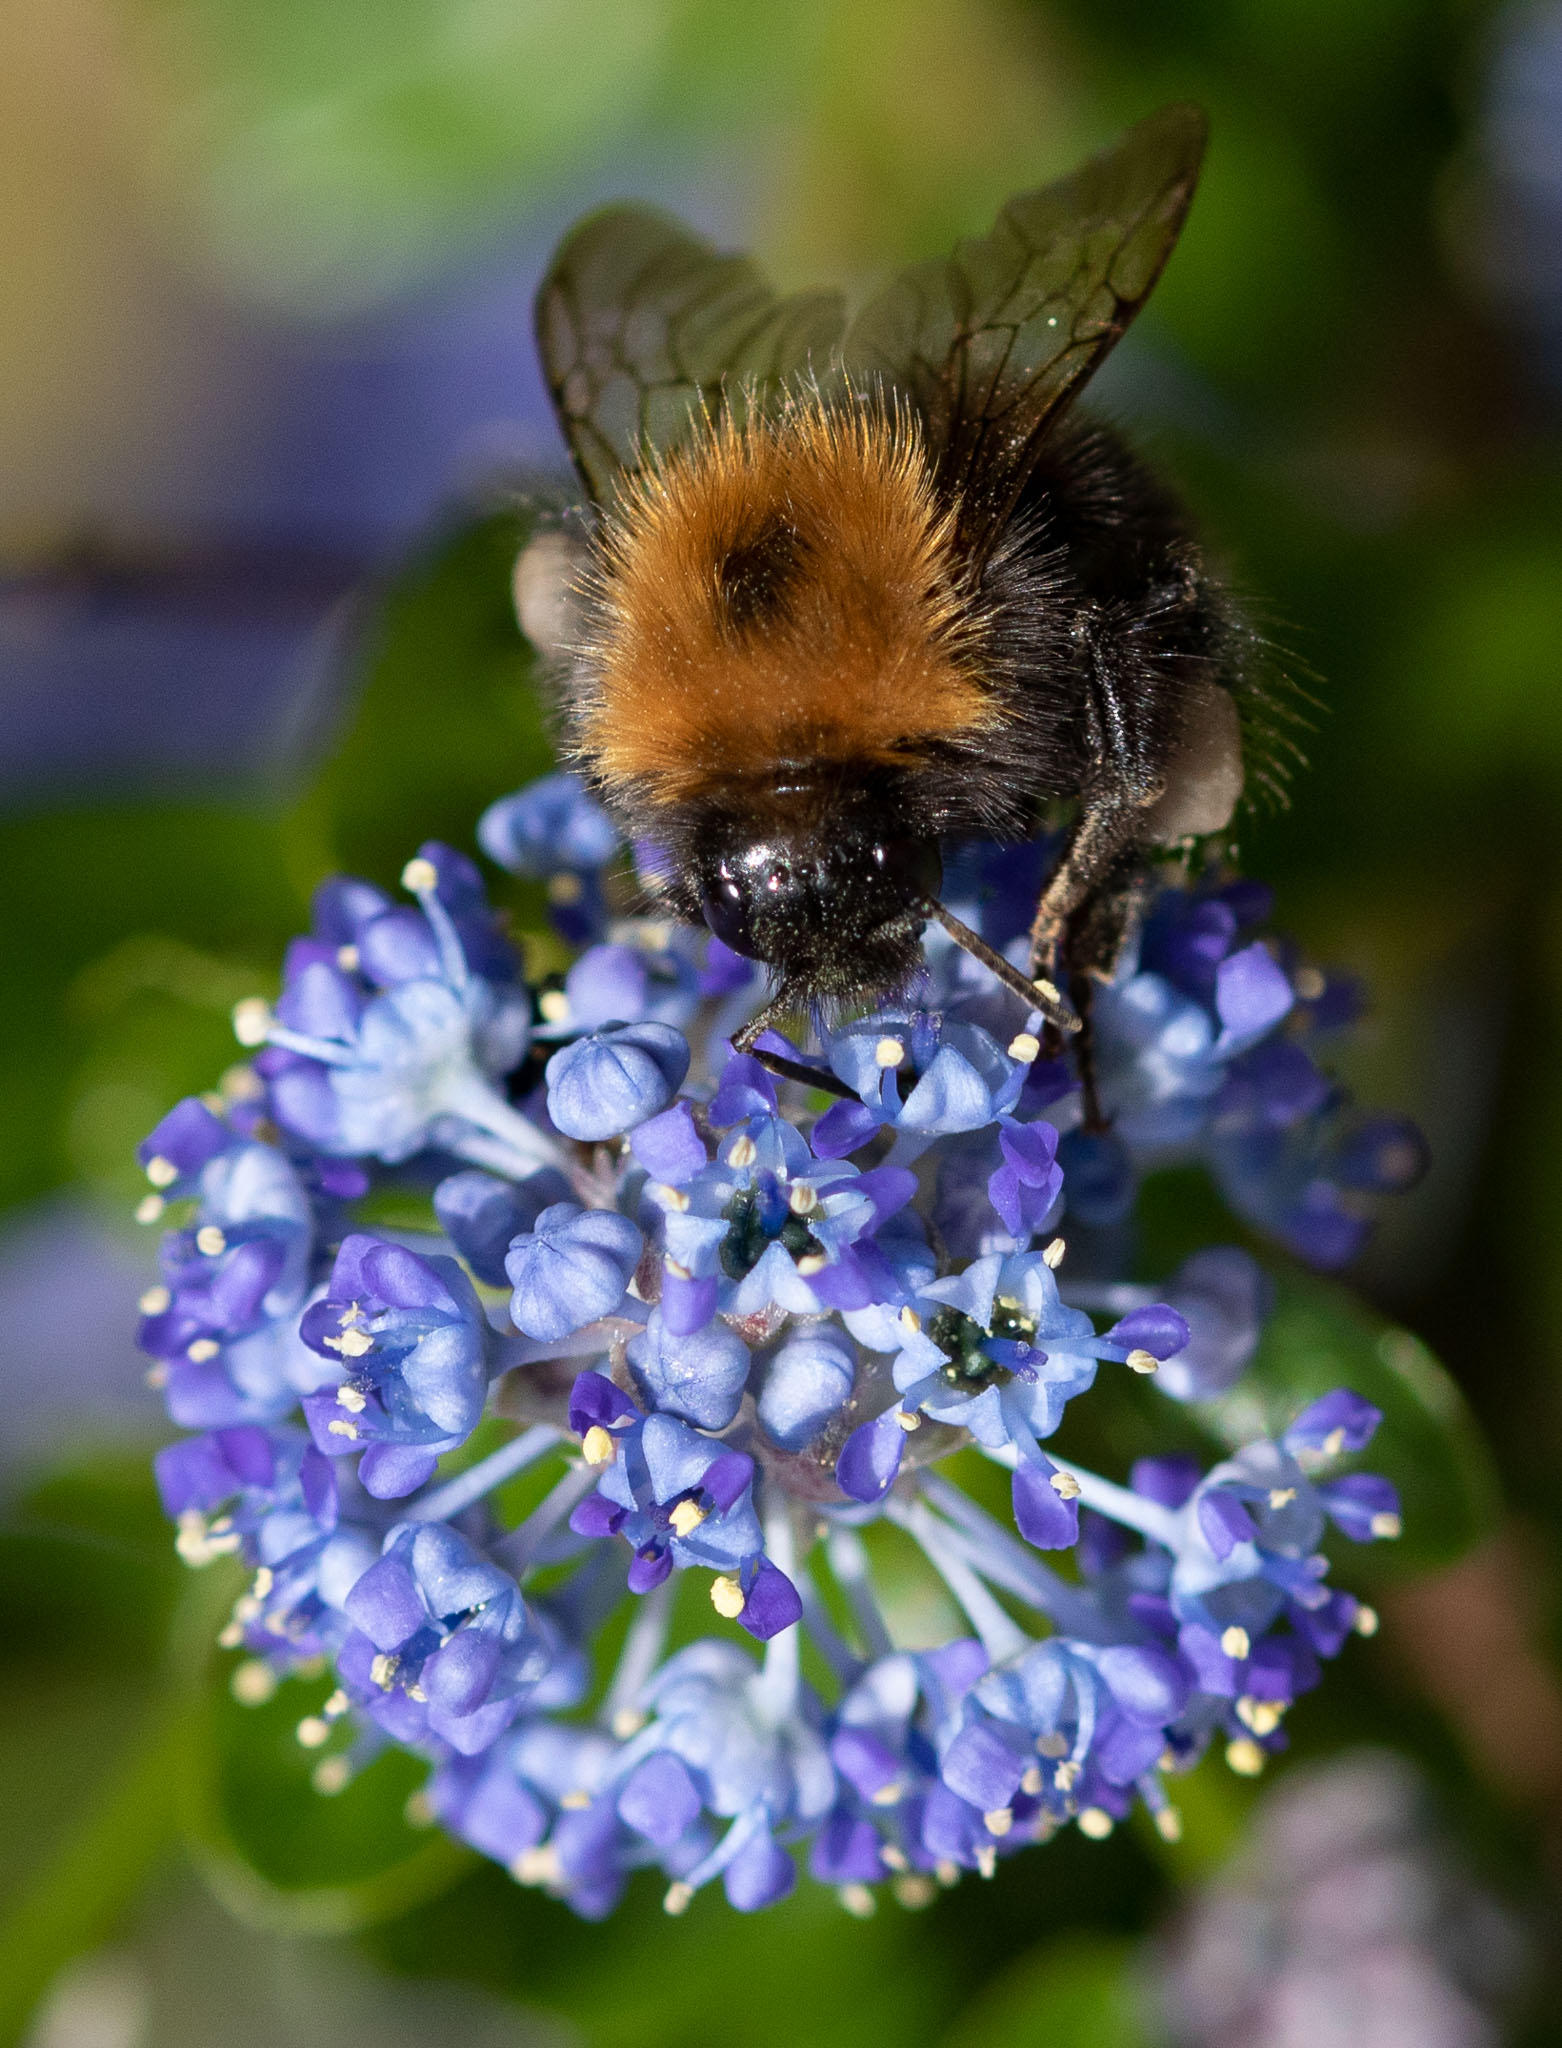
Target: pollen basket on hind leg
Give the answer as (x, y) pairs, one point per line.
(780, 591)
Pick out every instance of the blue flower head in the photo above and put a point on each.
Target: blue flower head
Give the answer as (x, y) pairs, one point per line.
(748, 1297)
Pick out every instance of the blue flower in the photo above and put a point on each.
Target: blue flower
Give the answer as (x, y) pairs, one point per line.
(443, 1643)
(921, 1076)
(773, 1225)
(571, 1269)
(678, 1499)
(483, 1215)
(616, 1078)
(269, 1497)
(1246, 1547)
(395, 1042)
(613, 984)
(995, 1350)
(807, 1383)
(764, 1773)
(413, 1349)
(223, 1325)
(550, 827)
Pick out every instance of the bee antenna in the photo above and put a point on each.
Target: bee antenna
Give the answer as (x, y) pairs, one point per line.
(1036, 995)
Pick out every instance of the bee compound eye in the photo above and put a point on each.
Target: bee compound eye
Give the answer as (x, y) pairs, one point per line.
(726, 907)
(913, 867)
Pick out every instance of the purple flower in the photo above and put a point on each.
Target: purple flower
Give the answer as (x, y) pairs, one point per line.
(571, 1269)
(607, 1083)
(413, 1348)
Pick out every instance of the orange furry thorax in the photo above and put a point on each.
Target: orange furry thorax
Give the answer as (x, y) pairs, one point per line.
(777, 592)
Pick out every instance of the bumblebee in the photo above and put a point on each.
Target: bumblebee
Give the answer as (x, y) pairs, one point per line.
(851, 592)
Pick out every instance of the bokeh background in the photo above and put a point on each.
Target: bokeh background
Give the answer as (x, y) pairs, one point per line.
(267, 399)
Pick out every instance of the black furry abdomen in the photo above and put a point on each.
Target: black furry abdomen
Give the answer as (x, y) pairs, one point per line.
(1101, 616)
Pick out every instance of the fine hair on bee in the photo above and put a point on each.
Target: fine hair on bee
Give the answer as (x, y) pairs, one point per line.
(854, 593)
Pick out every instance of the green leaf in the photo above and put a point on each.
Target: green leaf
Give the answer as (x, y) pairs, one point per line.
(1080, 1988)
(284, 1856)
(1430, 1444)
(448, 717)
(78, 1890)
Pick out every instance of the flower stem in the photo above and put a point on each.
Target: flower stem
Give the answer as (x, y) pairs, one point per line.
(465, 1094)
(481, 1478)
(989, 1549)
(1118, 1503)
(1001, 1636)
(639, 1657)
(520, 1547)
(849, 1563)
(782, 1674)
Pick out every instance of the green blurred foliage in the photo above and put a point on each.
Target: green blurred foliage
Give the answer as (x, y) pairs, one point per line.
(1365, 445)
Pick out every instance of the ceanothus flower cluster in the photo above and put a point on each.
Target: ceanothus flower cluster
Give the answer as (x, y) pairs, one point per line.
(653, 1326)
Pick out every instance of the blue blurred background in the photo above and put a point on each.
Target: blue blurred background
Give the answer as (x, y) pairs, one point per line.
(268, 406)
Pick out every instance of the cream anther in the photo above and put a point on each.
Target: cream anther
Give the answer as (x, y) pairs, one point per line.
(858, 1901)
(1168, 1824)
(686, 1517)
(1236, 1642)
(420, 877)
(803, 1198)
(742, 1151)
(908, 1419)
(727, 1597)
(1385, 1524)
(161, 1172)
(1140, 1360)
(347, 959)
(210, 1241)
(154, 1301)
(999, 1821)
(554, 1006)
(1366, 1622)
(1025, 1047)
(565, 889)
(313, 1732)
(597, 1447)
(337, 1427)
(253, 1682)
(202, 1349)
(1281, 1497)
(149, 1208)
(677, 1899)
(1053, 1255)
(1096, 1822)
(331, 1775)
(252, 1020)
(1245, 1757)
(352, 1399)
(889, 1052)
(1065, 1486)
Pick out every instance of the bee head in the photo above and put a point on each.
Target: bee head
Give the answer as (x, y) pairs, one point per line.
(836, 913)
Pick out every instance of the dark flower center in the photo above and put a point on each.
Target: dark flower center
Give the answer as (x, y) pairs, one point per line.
(961, 1339)
(757, 1217)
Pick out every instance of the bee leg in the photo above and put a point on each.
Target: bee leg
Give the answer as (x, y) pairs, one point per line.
(1096, 844)
(783, 1068)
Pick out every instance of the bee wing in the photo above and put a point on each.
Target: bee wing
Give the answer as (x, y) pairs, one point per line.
(992, 342)
(641, 325)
